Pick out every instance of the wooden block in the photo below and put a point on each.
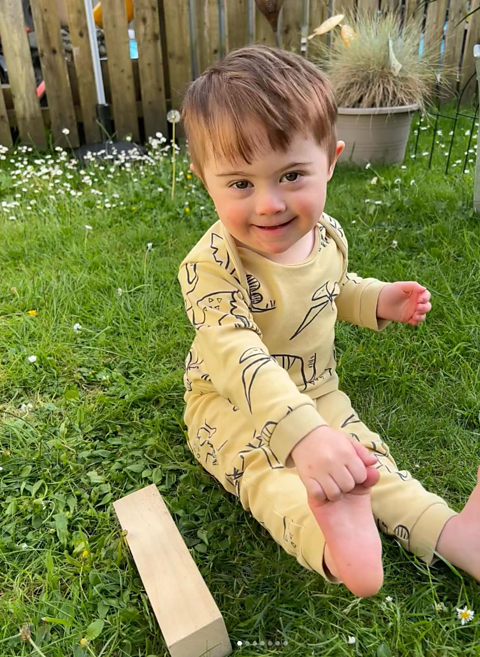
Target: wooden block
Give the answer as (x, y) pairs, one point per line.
(191, 622)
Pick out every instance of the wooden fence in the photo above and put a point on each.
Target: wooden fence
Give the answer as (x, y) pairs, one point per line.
(176, 40)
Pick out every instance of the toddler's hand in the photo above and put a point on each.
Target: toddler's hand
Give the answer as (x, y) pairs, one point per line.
(404, 301)
(330, 463)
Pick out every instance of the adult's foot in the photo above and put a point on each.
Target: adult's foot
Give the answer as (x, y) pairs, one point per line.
(459, 542)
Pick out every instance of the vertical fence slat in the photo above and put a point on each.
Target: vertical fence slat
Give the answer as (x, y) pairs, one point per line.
(453, 43)
(291, 25)
(84, 69)
(389, 6)
(208, 33)
(150, 64)
(434, 27)
(20, 74)
(178, 48)
(237, 23)
(412, 8)
(54, 69)
(367, 6)
(263, 30)
(468, 66)
(5, 134)
(343, 7)
(317, 13)
(120, 68)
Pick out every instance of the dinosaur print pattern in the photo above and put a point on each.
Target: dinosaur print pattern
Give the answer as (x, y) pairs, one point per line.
(221, 256)
(256, 297)
(322, 296)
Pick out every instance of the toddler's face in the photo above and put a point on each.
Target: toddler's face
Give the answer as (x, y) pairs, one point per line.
(272, 203)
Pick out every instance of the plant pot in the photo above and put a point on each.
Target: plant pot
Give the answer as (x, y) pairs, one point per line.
(377, 135)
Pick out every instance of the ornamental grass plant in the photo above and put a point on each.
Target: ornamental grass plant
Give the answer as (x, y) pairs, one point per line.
(380, 65)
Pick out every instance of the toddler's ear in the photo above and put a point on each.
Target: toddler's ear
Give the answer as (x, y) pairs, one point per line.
(338, 152)
(193, 170)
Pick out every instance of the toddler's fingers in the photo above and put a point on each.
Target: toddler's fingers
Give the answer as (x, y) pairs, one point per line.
(373, 476)
(331, 488)
(344, 479)
(365, 455)
(315, 492)
(423, 308)
(358, 470)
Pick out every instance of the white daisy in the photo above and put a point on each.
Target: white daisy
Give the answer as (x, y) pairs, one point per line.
(465, 615)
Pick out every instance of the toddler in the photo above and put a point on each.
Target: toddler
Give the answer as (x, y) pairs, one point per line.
(263, 289)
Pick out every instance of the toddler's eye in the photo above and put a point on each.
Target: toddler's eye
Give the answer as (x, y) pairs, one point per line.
(242, 184)
(292, 176)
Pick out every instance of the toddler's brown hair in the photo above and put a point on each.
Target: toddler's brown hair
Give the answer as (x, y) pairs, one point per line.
(254, 98)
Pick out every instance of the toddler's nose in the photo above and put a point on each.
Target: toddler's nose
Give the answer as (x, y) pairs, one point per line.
(270, 204)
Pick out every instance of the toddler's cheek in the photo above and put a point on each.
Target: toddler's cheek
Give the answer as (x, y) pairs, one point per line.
(311, 206)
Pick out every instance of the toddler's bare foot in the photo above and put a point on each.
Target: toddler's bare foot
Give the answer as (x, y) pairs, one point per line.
(459, 542)
(354, 550)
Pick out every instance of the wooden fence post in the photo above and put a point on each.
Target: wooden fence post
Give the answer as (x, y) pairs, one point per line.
(120, 69)
(237, 24)
(207, 28)
(453, 45)
(150, 64)
(476, 189)
(55, 74)
(84, 69)
(5, 134)
(177, 30)
(16, 50)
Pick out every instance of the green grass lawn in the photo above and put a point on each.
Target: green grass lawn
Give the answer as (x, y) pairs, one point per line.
(98, 414)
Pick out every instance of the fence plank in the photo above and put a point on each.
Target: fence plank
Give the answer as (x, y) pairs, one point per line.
(453, 44)
(291, 25)
(54, 68)
(150, 64)
(343, 7)
(84, 69)
(367, 6)
(436, 11)
(317, 13)
(412, 8)
(468, 64)
(237, 24)
(390, 6)
(5, 134)
(122, 86)
(208, 33)
(20, 73)
(263, 30)
(178, 47)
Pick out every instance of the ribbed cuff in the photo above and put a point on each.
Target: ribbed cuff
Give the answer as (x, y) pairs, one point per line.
(425, 533)
(368, 307)
(290, 431)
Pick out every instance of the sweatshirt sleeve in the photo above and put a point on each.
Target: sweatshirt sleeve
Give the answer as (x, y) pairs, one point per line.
(357, 301)
(238, 362)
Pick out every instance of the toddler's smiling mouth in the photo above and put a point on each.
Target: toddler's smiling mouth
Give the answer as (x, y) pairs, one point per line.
(278, 227)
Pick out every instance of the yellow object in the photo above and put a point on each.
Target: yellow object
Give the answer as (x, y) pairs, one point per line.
(261, 375)
(97, 12)
(348, 35)
(32, 312)
(327, 25)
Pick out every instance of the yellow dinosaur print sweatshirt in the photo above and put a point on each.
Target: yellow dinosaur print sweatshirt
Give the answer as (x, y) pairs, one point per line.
(265, 332)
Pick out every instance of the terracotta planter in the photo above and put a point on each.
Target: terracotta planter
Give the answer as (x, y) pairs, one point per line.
(377, 135)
